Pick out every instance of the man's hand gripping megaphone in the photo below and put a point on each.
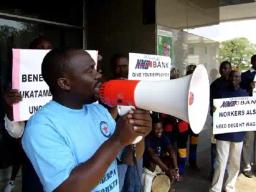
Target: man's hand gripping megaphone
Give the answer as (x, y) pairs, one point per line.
(133, 126)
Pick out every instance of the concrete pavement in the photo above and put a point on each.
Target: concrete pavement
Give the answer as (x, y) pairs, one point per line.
(199, 181)
(194, 181)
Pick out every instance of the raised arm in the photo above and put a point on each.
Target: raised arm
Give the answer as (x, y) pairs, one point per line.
(10, 97)
(157, 160)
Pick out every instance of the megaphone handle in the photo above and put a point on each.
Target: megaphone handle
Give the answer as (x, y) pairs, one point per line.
(123, 110)
(137, 140)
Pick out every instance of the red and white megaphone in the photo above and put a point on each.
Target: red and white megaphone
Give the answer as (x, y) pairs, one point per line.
(186, 98)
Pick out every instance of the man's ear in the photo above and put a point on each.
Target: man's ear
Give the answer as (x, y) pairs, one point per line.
(64, 83)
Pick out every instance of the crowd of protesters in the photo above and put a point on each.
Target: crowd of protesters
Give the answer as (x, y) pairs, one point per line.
(169, 148)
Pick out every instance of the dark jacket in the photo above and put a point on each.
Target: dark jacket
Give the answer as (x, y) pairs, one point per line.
(216, 89)
(247, 78)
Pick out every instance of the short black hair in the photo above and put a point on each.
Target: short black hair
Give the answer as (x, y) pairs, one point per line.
(114, 59)
(253, 58)
(156, 118)
(37, 41)
(190, 69)
(54, 64)
(223, 63)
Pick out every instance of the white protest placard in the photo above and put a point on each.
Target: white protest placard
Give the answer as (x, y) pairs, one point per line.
(234, 115)
(94, 55)
(254, 89)
(149, 67)
(27, 79)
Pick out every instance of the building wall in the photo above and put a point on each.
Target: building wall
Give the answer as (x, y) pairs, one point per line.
(180, 14)
(238, 12)
(117, 27)
(192, 49)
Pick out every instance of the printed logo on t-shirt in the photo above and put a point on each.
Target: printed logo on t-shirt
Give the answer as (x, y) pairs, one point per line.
(109, 182)
(105, 129)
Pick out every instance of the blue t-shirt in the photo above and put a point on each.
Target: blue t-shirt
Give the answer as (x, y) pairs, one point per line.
(57, 139)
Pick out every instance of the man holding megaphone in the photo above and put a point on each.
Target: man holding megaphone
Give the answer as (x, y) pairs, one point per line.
(73, 142)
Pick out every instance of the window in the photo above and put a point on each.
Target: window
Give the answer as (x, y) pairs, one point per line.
(20, 23)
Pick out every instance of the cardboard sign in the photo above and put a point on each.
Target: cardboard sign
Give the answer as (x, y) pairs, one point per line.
(149, 67)
(27, 78)
(254, 89)
(234, 115)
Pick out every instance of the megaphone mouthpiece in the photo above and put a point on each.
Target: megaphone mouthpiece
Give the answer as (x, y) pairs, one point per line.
(118, 92)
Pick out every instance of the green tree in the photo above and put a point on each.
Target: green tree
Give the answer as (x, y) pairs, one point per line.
(238, 51)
